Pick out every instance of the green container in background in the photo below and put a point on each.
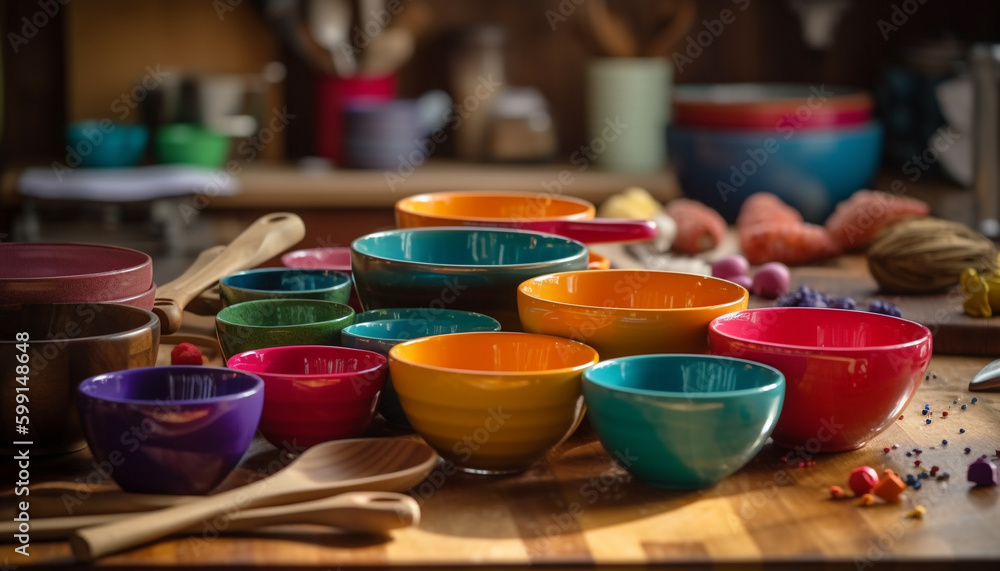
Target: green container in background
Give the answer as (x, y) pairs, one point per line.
(189, 144)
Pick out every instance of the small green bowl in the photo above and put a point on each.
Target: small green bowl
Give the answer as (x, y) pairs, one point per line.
(188, 144)
(280, 322)
(683, 421)
(380, 330)
(285, 283)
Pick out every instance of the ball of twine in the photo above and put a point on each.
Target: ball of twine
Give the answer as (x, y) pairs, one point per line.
(927, 255)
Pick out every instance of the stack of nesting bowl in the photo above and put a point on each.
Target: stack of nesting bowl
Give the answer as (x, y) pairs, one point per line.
(812, 145)
(68, 312)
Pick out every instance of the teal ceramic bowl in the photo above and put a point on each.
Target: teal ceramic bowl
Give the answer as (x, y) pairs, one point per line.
(683, 421)
(467, 268)
(380, 330)
(279, 323)
(284, 283)
(105, 144)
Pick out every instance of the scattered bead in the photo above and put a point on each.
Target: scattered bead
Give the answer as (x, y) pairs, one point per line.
(862, 480)
(917, 485)
(802, 464)
(961, 431)
(895, 446)
(836, 492)
(910, 479)
(917, 451)
(967, 449)
(944, 443)
(886, 450)
(917, 463)
(867, 500)
(927, 407)
(900, 417)
(954, 401)
(975, 400)
(965, 406)
(944, 414)
(924, 412)
(923, 475)
(917, 512)
(890, 487)
(934, 470)
(982, 472)
(928, 421)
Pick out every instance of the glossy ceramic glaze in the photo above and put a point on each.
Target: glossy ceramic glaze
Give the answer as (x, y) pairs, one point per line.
(284, 283)
(472, 269)
(491, 402)
(628, 312)
(769, 106)
(337, 258)
(66, 344)
(382, 329)
(315, 393)
(487, 207)
(596, 261)
(812, 170)
(682, 421)
(170, 430)
(280, 322)
(849, 374)
(46, 272)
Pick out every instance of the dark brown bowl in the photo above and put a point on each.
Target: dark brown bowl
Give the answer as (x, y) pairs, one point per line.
(46, 272)
(64, 344)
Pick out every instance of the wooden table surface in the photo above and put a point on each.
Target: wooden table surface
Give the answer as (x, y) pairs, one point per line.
(580, 509)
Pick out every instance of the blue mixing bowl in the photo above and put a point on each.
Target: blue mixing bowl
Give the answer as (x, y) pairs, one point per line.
(812, 170)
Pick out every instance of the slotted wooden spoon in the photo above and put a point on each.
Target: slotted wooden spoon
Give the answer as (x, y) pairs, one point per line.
(374, 464)
(368, 512)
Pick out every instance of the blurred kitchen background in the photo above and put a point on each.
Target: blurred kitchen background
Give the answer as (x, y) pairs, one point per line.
(253, 113)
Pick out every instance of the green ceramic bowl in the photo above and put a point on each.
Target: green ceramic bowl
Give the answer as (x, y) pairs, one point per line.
(380, 330)
(280, 322)
(188, 144)
(683, 421)
(285, 283)
(467, 268)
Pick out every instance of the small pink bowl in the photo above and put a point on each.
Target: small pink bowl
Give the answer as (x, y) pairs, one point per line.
(313, 394)
(849, 374)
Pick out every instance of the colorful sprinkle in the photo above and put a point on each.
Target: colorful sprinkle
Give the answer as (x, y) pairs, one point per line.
(836, 492)
(917, 463)
(954, 401)
(900, 417)
(961, 431)
(967, 449)
(965, 406)
(944, 443)
(924, 412)
(945, 413)
(895, 446)
(917, 512)
(975, 400)
(908, 454)
(928, 421)
(934, 470)
(917, 485)
(886, 450)
(927, 407)
(867, 500)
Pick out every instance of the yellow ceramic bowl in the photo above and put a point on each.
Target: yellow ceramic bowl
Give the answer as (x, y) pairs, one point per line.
(628, 312)
(491, 402)
(478, 208)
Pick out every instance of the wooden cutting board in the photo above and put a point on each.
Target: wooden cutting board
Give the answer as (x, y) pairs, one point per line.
(955, 333)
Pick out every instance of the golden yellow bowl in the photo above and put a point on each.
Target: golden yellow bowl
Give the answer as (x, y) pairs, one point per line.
(477, 208)
(491, 402)
(628, 312)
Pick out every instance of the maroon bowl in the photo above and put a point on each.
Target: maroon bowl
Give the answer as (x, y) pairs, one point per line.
(144, 300)
(47, 272)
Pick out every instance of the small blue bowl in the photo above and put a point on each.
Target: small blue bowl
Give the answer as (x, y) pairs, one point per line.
(170, 430)
(466, 268)
(285, 283)
(812, 170)
(683, 421)
(380, 330)
(106, 144)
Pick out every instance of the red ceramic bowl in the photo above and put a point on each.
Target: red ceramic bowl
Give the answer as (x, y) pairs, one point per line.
(44, 272)
(849, 374)
(781, 107)
(312, 393)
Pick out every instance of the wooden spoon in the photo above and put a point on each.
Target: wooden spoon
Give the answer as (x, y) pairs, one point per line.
(367, 512)
(269, 236)
(680, 16)
(610, 31)
(380, 464)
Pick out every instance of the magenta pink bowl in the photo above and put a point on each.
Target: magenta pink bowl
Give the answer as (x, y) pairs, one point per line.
(45, 272)
(337, 258)
(849, 374)
(314, 393)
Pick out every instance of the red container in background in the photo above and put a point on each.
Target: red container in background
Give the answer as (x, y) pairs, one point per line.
(333, 95)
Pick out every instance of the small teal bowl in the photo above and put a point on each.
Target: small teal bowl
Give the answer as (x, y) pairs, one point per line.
(285, 283)
(380, 330)
(106, 144)
(683, 421)
(811, 170)
(466, 268)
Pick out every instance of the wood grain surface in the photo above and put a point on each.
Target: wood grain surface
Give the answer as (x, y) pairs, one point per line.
(580, 509)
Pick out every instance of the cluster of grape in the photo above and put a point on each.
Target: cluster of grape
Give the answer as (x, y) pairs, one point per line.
(806, 296)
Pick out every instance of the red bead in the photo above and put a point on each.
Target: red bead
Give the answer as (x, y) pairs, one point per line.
(862, 480)
(886, 449)
(945, 413)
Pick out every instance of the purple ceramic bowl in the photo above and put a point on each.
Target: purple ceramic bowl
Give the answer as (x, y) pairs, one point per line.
(170, 430)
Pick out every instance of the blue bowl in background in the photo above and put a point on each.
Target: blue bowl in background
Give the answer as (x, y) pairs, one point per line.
(285, 283)
(683, 421)
(380, 330)
(106, 144)
(811, 170)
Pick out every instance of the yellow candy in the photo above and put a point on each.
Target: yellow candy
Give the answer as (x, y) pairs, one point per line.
(917, 512)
